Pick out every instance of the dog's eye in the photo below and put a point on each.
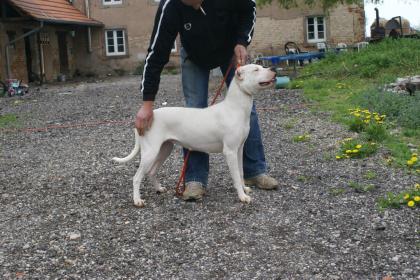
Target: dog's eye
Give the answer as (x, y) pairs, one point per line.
(256, 69)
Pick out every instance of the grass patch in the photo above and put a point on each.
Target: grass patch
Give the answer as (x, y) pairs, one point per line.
(336, 191)
(8, 120)
(356, 148)
(361, 188)
(290, 123)
(349, 80)
(301, 138)
(370, 175)
(409, 198)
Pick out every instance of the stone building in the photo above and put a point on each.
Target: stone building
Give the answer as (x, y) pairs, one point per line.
(112, 36)
(40, 39)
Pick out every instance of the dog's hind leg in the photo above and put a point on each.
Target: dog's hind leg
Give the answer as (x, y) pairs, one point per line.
(165, 151)
(232, 161)
(146, 162)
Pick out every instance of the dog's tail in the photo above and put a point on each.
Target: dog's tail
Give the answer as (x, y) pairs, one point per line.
(133, 153)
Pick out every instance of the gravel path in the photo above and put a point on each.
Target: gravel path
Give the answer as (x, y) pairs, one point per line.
(67, 213)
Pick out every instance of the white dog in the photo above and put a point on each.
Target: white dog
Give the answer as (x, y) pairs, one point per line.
(223, 127)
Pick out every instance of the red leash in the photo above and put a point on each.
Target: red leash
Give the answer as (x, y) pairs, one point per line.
(180, 186)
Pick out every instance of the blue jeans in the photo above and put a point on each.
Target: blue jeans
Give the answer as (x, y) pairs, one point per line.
(195, 82)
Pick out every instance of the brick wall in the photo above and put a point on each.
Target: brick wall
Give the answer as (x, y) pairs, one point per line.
(275, 27)
(16, 53)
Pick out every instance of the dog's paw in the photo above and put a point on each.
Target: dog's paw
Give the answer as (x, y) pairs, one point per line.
(139, 203)
(247, 190)
(161, 190)
(245, 198)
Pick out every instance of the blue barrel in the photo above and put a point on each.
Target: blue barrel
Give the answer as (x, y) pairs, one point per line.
(282, 82)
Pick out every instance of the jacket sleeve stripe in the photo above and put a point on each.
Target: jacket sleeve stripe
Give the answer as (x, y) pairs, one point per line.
(153, 44)
(253, 23)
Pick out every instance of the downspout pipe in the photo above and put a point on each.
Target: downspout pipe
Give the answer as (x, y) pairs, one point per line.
(29, 33)
(89, 31)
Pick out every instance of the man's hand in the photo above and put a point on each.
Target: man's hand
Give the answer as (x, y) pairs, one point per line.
(144, 117)
(241, 54)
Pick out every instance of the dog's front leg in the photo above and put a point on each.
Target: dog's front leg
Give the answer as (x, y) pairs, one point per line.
(232, 161)
(247, 190)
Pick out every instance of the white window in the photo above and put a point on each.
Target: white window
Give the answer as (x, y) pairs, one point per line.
(315, 29)
(112, 2)
(115, 42)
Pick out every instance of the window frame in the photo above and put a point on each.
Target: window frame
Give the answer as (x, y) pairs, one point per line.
(316, 38)
(112, 2)
(116, 53)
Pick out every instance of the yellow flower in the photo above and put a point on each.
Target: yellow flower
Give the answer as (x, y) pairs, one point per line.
(410, 203)
(348, 151)
(355, 151)
(366, 121)
(414, 159)
(414, 155)
(338, 157)
(410, 162)
(406, 196)
(417, 185)
(417, 198)
(356, 114)
(358, 146)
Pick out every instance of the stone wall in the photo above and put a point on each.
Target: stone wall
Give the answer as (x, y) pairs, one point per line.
(274, 27)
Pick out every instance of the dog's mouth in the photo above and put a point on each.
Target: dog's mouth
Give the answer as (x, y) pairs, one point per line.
(268, 83)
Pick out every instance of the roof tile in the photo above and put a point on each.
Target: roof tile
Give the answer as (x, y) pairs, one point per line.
(56, 11)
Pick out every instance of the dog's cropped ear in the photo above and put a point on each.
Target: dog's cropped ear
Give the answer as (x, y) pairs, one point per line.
(238, 74)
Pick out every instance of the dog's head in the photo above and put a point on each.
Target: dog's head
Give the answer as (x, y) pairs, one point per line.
(252, 77)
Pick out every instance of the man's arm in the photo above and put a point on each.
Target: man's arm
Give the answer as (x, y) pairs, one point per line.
(247, 15)
(161, 42)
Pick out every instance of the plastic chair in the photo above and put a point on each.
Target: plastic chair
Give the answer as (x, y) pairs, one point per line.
(361, 45)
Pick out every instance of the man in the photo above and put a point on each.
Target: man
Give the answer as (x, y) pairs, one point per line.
(211, 32)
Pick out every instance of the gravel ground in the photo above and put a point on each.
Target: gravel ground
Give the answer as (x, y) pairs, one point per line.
(67, 213)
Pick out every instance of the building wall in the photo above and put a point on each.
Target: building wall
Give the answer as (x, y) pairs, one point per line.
(18, 63)
(136, 17)
(16, 54)
(275, 26)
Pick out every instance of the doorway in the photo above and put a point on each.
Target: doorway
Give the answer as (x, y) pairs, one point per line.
(29, 57)
(63, 52)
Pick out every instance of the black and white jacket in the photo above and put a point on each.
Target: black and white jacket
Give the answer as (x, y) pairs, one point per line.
(208, 35)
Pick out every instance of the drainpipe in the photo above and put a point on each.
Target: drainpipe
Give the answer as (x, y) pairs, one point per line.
(87, 9)
(36, 30)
